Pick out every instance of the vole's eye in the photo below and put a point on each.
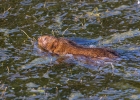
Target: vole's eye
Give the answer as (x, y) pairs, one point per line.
(45, 38)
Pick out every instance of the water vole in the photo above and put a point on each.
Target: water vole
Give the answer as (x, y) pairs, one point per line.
(62, 46)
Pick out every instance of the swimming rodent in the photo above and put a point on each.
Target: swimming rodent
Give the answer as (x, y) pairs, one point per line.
(62, 46)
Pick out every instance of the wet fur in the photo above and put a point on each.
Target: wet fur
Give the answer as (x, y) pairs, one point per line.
(63, 46)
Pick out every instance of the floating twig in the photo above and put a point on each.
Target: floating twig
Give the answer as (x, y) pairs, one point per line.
(3, 92)
(64, 31)
(53, 33)
(112, 67)
(6, 10)
(8, 69)
(26, 34)
(45, 4)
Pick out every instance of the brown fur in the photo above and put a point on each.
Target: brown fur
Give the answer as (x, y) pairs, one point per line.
(63, 46)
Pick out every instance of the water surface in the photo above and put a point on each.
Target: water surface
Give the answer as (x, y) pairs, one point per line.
(28, 73)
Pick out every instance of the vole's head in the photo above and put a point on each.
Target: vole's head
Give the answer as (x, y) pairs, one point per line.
(47, 42)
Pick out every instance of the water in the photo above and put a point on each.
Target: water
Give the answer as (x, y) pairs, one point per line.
(28, 73)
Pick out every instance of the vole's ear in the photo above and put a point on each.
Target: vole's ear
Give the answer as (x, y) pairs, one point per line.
(55, 43)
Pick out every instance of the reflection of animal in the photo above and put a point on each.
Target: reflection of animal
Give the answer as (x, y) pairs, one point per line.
(63, 46)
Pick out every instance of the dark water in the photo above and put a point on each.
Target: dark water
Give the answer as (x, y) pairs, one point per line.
(28, 73)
